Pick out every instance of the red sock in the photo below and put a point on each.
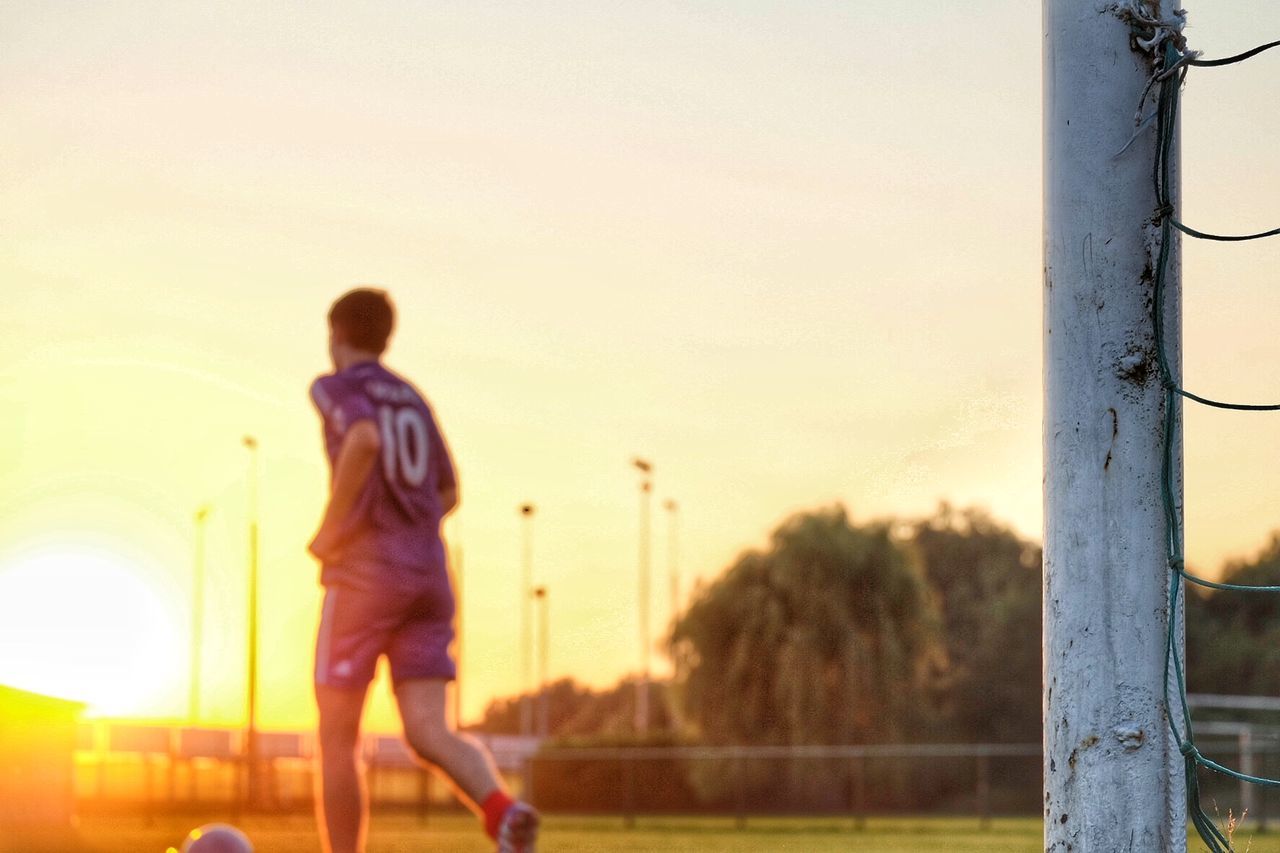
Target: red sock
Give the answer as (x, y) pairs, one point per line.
(494, 807)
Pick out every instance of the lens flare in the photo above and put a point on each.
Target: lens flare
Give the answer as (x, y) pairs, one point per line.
(81, 624)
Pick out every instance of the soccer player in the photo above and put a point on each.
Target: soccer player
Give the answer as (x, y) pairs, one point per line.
(386, 585)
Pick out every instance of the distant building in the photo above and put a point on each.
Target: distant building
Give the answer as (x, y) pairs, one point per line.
(37, 784)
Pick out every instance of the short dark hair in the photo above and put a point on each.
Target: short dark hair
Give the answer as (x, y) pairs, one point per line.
(366, 317)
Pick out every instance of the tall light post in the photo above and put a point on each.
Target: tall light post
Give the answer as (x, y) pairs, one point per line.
(197, 614)
(251, 731)
(673, 572)
(646, 499)
(526, 624)
(458, 646)
(544, 645)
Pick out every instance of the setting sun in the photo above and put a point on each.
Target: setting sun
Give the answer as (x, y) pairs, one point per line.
(79, 624)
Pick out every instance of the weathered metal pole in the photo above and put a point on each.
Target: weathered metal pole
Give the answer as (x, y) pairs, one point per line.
(1111, 766)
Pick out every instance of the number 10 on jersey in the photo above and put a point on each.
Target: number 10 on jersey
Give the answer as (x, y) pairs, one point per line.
(405, 447)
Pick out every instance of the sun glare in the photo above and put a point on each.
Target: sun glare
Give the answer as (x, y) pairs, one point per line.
(82, 625)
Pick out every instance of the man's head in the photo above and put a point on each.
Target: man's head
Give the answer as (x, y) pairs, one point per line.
(360, 323)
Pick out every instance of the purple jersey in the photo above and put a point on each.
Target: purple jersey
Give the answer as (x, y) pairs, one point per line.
(392, 534)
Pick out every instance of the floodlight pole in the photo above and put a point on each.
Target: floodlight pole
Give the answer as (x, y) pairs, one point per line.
(673, 571)
(646, 501)
(526, 624)
(544, 654)
(197, 615)
(459, 627)
(1111, 767)
(251, 730)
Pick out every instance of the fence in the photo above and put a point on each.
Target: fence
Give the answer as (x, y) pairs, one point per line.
(157, 768)
(740, 781)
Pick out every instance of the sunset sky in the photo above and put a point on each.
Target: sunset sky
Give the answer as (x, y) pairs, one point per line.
(791, 253)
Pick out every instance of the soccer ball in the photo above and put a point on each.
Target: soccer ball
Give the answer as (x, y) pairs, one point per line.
(216, 838)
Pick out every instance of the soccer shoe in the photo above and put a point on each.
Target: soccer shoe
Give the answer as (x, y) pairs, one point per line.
(518, 831)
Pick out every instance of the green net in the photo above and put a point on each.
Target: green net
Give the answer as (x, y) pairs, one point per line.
(1174, 66)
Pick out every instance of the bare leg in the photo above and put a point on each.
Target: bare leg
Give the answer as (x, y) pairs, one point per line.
(343, 805)
(462, 758)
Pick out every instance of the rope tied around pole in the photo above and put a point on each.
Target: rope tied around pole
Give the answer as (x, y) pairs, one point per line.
(1153, 27)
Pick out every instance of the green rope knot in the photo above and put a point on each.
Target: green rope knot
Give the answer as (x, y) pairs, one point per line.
(1189, 750)
(1163, 211)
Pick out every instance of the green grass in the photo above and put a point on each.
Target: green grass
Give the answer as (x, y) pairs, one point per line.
(459, 834)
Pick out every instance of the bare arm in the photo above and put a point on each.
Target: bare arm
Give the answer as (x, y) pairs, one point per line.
(448, 499)
(447, 487)
(356, 458)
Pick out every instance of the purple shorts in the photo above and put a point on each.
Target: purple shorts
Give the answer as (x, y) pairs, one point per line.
(357, 626)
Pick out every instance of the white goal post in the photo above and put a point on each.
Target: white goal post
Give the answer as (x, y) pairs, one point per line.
(1113, 772)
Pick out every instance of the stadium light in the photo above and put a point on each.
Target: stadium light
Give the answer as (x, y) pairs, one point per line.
(459, 627)
(646, 499)
(544, 643)
(673, 572)
(251, 731)
(526, 624)
(197, 613)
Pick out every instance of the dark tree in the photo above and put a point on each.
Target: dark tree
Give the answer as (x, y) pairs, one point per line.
(986, 580)
(1233, 637)
(827, 637)
(576, 711)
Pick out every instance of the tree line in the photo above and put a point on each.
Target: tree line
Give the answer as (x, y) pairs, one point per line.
(843, 633)
(888, 631)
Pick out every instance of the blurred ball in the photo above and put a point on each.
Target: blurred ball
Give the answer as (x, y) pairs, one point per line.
(217, 838)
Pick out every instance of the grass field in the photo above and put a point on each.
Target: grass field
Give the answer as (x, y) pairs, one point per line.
(459, 834)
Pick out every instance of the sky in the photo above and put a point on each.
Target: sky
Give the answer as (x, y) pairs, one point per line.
(789, 253)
